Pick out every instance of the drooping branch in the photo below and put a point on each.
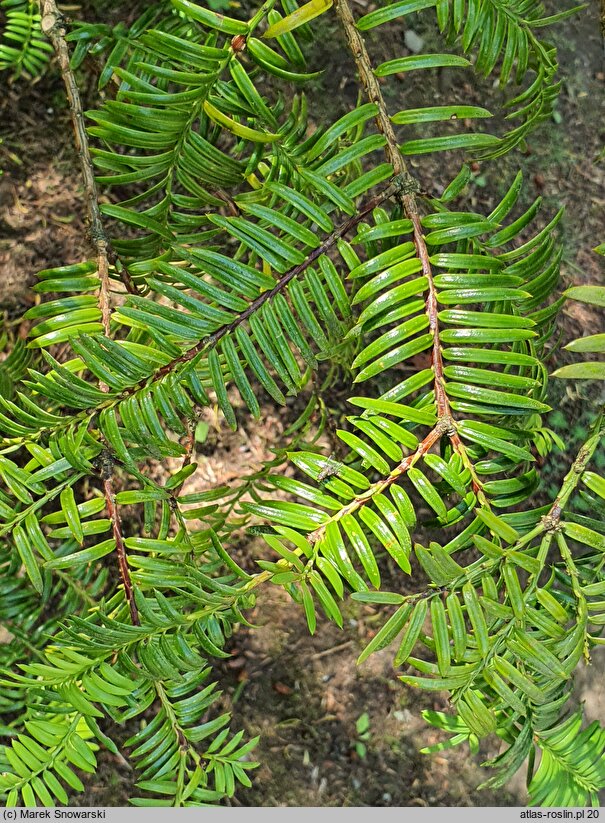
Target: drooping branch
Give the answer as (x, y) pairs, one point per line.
(382, 485)
(53, 27)
(213, 339)
(210, 341)
(406, 195)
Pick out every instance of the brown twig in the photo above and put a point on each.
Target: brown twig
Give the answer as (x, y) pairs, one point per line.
(444, 411)
(406, 195)
(116, 525)
(53, 27)
(333, 650)
(211, 340)
(370, 86)
(121, 268)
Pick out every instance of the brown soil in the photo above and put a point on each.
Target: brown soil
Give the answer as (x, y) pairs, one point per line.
(304, 694)
(41, 207)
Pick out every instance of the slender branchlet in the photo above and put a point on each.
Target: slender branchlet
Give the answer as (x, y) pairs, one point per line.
(116, 525)
(211, 340)
(53, 27)
(406, 195)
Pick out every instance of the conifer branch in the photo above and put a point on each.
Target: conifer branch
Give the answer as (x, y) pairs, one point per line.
(211, 340)
(493, 628)
(116, 525)
(406, 195)
(53, 27)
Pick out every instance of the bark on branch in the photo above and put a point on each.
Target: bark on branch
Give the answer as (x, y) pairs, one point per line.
(406, 196)
(53, 27)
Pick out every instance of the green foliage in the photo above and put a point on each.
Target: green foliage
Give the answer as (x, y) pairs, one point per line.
(497, 35)
(594, 343)
(267, 258)
(363, 734)
(23, 48)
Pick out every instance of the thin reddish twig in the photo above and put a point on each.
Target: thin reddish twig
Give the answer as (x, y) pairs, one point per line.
(52, 26)
(116, 524)
(406, 198)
